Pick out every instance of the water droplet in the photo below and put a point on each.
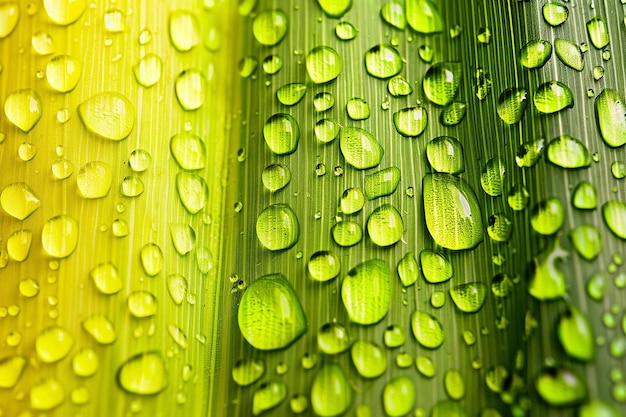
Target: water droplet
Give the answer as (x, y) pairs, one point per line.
(277, 227)
(114, 20)
(275, 177)
(358, 109)
(323, 101)
(106, 278)
(547, 282)
(529, 153)
(442, 81)
(188, 151)
(19, 200)
(323, 266)
(598, 32)
(291, 94)
(323, 64)
(190, 86)
(62, 169)
(427, 329)
(398, 86)
(425, 366)
(268, 396)
(270, 315)
(369, 359)
(183, 238)
(131, 187)
(360, 148)
(272, 64)
(151, 259)
(512, 105)
(9, 16)
(453, 216)
(454, 384)
(518, 197)
(11, 368)
(535, 53)
(423, 16)
(59, 236)
(184, 30)
(383, 61)
(85, 363)
(499, 227)
(453, 114)
(18, 245)
(333, 338)
(23, 108)
(552, 97)
(614, 214)
(560, 387)
(346, 233)
(569, 54)
(385, 225)
(248, 371)
(345, 31)
(437, 299)
(331, 394)
(596, 286)
(598, 408)
(576, 335)
(366, 292)
(282, 134)
(110, 115)
(408, 270)
(448, 409)
(148, 70)
(411, 121)
(94, 180)
(399, 396)
(42, 43)
(270, 27)
(445, 154)
(100, 328)
(326, 130)
(469, 297)
(611, 117)
(142, 304)
(53, 344)
(143, 374)
(352, 201)
(554, 13)
(547, 216)
(597, 72)
(335, 8)
(435, 267)
(382, 183)
(63, 73)
(46, 394)
(192, 191)
(568, 152)
(64, 12)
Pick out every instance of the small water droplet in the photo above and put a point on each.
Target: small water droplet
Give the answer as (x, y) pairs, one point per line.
(148, 70)
(366, 292)
(109, 115)
(427, 329)
(554, 13)
(270, 27)
(383, 61)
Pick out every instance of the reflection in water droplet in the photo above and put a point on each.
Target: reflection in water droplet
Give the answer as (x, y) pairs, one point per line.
(345, 31)
(552, 97)
(560, 387)
(19, 200)
(177, 288)
(368, 358)
(385, 225)
(569, 54)
(568, 152)
(611, 117)
(423, 16)
(9, 16)
(248, 371)
(512, 105)
(554, 13)
(333, 338)
(323, 266)
(94, 180)
(411, 121)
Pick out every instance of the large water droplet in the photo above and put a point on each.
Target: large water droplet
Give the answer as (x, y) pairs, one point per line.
(366, 292)
(385, 225)
(614, 215)
(64, 12)
(423, 16)
(106, 278)
(360, 148)
(554, 13)
(561, 387)
(188, 151)
(598, 408)
(184, 30)
(63, 73)
(19, 200)
(453, 215)
(512, 105)
(442, 82)
(454, 384)
(611, 117)
(568, 152)
(346, 233)
(110, 115)
(323, 64)
(100, 328)
(382, 183)
(148, 70)
(59, 236)
(499, 227)
(535, 53)
(183, 238)
(11, 367)
(190, 87)
(529, 153)
(435, 267)
(445, 154)
(335, 8)
(143, 374)
(326, 130)
(598, 32)
(53, 344)
(277, 227)
(46, 395)
(275, 177)
(282, 134)
(576, 335)
(469, 297)
(331, 394)
(411, 121)
(368, 358)
(270, 315)
(9, 16)
(427, 329)
(392, 12)
(23, 108)
(270, 27)
(448, 409)
(383, 61)
(399, 396)
(569, 54)
(42, 42)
